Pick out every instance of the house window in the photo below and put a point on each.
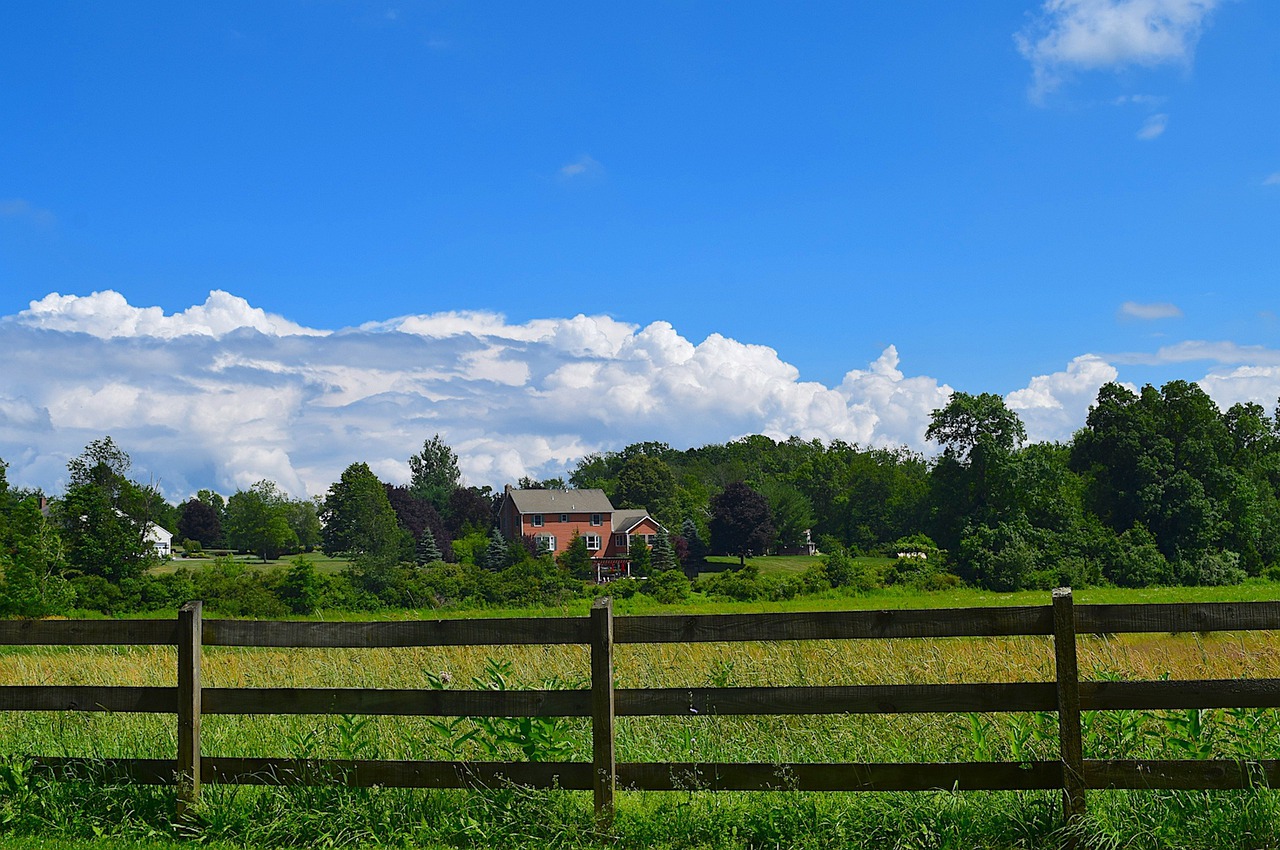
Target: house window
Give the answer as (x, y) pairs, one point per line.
(620, 541)
(593, 542)
(596, 519)
(640, 538)
(537, 521)
(546, 542)
(650, 539)
(564, 517)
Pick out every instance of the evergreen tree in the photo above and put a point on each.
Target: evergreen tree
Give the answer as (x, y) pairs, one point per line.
(495, 554)
(697, 546)
(576, 560)
(427, 552)
(663, 556)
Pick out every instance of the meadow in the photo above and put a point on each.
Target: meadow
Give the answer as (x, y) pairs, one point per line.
(33, 811)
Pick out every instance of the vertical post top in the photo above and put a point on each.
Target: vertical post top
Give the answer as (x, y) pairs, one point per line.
(1062, 593)
(605, 602)
(192, 607)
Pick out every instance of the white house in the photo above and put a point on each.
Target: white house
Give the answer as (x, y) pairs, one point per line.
(160, 540)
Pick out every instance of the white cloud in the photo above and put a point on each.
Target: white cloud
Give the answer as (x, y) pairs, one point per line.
(1259, 384)
(1190, 351)
(224, 394)
(1153, 127)
(107, 314)
(1272, 179)
(240, 399)
(1070, 35)
(1054, 406)
(1149, 312)
(583, 166)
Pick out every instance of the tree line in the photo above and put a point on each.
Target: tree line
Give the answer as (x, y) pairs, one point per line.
(1158, 487)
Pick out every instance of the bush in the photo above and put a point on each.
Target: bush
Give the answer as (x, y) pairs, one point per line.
(302, 587)
(1211, 569)
(623, 588)
(231, 588)
(747, 585)
(1137, 561)
(667, 587)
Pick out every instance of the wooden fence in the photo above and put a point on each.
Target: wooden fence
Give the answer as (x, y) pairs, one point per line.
(602, 702)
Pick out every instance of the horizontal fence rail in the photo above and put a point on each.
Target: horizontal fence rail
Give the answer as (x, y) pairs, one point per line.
(603, 702)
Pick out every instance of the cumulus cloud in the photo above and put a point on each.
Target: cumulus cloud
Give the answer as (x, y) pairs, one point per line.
(224, 394)
(1154, 127)
(107, 314)
(1070, 35)
(1149, 312)
(1054, 406)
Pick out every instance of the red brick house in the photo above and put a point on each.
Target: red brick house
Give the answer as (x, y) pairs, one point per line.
(552, 517)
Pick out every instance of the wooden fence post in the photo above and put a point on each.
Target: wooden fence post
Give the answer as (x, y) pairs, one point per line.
(190, 638)
(1068, 678)
(603, 759)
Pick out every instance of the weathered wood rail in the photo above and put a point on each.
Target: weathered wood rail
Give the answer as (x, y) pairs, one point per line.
(602, 702)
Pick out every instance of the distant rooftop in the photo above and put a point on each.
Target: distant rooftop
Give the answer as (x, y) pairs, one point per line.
(560, 501)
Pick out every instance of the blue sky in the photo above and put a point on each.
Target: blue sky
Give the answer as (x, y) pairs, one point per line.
(1025, 197)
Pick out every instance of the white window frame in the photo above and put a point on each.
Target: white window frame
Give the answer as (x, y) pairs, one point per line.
(564, 517)
(597, 519)
(622, 541)
(593, 542)
(536, 520)
(546, 542)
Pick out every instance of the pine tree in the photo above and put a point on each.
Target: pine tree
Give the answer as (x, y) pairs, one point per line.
(495, 554)
(697, 546)
(427, 552)
(664, 556)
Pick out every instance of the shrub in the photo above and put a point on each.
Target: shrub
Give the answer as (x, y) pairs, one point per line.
(667, 587)
(747, 585)
(302, 587)
(843, 571)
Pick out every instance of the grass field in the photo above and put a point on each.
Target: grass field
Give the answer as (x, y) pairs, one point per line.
(322, 562)
(36, 812)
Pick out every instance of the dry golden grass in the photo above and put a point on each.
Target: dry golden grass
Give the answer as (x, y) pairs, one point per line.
(911, 737)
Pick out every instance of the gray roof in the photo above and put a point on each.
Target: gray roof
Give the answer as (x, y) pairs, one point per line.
(560, 501)
(624, 521)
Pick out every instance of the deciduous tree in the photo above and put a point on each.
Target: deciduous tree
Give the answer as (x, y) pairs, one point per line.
(740, 522)
(434, 472)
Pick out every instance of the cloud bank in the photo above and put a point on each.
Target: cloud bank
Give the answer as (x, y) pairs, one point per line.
(224, 394)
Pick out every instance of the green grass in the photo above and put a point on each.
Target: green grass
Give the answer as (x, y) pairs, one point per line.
(322, 562)
(788, 564)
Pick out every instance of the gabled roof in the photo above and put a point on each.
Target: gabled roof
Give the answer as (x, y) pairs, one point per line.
(624, 521)
(560, 501)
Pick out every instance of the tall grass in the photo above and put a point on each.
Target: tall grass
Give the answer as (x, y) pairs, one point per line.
(334, 816)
